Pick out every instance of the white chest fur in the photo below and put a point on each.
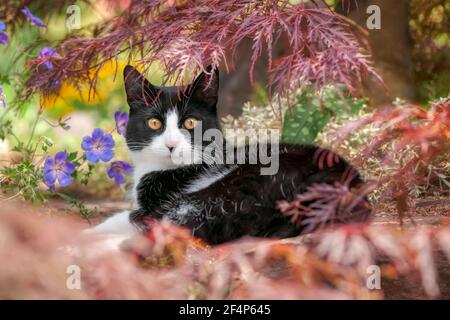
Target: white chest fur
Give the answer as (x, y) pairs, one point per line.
(207, 179)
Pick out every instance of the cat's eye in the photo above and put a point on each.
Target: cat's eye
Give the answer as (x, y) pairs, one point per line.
(190, 123)
(154, 123)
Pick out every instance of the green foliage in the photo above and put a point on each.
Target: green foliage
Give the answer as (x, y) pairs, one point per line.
(23, 179)
(5, 129)
(27, 124)
(311, 112)
(303, 123)
(429, 25)
(80, 205)
(84, 180)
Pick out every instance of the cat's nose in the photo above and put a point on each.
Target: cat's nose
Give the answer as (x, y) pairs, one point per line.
(170, 146)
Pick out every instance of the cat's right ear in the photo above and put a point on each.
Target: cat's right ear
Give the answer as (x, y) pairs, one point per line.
(138, 89)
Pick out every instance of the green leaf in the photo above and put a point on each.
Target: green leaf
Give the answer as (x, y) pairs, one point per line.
(80, 205)
(5, 129)
(304, 121)
(72, 156)
(309, 115)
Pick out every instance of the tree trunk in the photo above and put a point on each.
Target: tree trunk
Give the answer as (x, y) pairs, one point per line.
(235, 86)
(391, 47)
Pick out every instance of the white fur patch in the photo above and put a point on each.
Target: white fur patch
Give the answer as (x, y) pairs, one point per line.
(179, 211)
(107, 237)
(207, 179)
(172, 135)
(117, 224)
(101, 244)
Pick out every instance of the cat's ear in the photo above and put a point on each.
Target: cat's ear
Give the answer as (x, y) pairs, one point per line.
(206, 86)
(138, 88)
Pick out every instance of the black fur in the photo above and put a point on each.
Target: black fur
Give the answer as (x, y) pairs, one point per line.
(243, 203)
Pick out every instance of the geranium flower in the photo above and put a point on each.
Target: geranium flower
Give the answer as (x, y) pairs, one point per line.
(121, 122)
(34, 20)
(45, 54)
(58, 169)
(98, 146)
(4, 39)
(117, 169)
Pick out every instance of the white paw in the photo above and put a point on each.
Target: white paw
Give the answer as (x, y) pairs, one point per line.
(95, 246)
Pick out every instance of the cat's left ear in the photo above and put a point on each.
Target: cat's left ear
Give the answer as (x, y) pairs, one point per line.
(206, 86)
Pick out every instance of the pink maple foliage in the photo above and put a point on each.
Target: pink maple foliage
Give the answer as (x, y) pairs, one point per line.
(187, 36)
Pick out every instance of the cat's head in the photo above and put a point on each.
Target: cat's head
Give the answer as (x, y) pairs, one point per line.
(162, 120)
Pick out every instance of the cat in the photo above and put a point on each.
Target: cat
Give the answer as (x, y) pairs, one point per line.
(219, 201)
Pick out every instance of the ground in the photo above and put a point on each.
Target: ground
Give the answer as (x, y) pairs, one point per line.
(430, 210)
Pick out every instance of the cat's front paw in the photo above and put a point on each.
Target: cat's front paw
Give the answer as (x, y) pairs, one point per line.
(95, 245)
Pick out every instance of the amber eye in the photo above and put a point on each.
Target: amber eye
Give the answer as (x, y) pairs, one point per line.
(190, 123)
(154, 123)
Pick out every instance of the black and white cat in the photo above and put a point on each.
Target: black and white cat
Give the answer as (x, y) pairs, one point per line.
(218, 201)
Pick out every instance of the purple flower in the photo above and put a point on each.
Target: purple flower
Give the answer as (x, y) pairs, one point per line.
(34, 20)
(121, 122)
(4, 39)
(45, 54)
(117, 169)
(98, 146)
(2, 97)
(58, 169)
